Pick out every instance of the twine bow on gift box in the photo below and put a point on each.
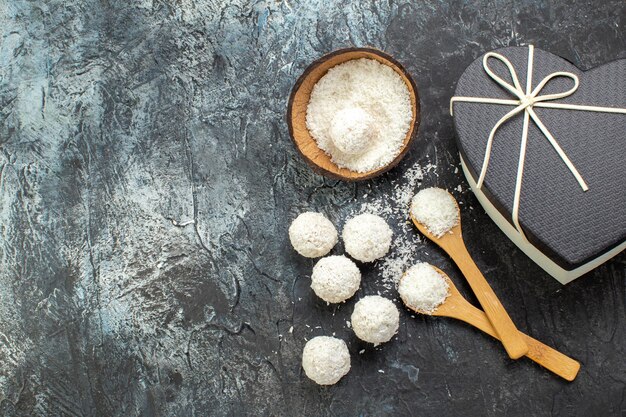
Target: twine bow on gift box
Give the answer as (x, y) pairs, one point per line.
(526, 100)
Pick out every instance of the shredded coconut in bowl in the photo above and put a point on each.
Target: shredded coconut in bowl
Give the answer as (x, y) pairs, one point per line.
(375, 319)
(436, 209)
(325, 359)
(422, 288)
(312, 235)
(377, 90)
(335, 279)
(367, 237)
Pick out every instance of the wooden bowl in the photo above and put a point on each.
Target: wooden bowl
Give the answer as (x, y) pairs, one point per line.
(299, 100)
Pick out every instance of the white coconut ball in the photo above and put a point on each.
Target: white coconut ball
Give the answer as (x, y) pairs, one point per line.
(436, 209)
(375, 319)
(352, 130)
(312, 234)
(367, 237)
(325, 359)
(423, 288)
(335, 279)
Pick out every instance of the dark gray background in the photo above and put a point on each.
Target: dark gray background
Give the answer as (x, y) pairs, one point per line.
(120, 124)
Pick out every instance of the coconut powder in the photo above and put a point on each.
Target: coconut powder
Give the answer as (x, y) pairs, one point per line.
(359, 114)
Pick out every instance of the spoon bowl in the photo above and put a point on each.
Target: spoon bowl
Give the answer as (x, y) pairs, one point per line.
(452, 243)
(449, 239)
(456, 306)
(299, 101)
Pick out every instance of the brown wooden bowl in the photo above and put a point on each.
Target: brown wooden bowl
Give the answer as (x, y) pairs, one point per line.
(299, 101)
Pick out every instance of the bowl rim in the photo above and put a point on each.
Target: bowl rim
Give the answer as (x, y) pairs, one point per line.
(319, 61)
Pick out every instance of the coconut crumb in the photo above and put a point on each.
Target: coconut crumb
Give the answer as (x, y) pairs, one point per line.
(312, 235)
(367, 237)
(436, 209)
(375, 319)
(423, 288)
(335, 279)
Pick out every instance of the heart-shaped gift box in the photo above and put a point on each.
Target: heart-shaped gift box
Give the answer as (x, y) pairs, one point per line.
(543, 146)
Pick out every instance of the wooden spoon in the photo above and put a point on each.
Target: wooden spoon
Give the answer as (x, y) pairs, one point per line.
(452, 243)
(299, 101)
(457, 307)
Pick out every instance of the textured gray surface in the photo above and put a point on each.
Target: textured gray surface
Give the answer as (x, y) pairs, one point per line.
(147, 181)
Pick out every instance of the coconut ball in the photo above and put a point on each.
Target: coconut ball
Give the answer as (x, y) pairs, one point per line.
(375, 319)
(436, 209)
(367, 237)
(422, 288)
(352, 130)
(325, 359)
(312, 235)
(335, 279)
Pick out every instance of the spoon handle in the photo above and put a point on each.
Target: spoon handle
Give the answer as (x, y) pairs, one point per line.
(508, 334)
(551, 359)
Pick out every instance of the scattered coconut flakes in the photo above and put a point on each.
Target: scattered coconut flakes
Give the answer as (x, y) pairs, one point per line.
(394, 207)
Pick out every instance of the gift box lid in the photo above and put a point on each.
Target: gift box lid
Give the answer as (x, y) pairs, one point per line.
(567, 224)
